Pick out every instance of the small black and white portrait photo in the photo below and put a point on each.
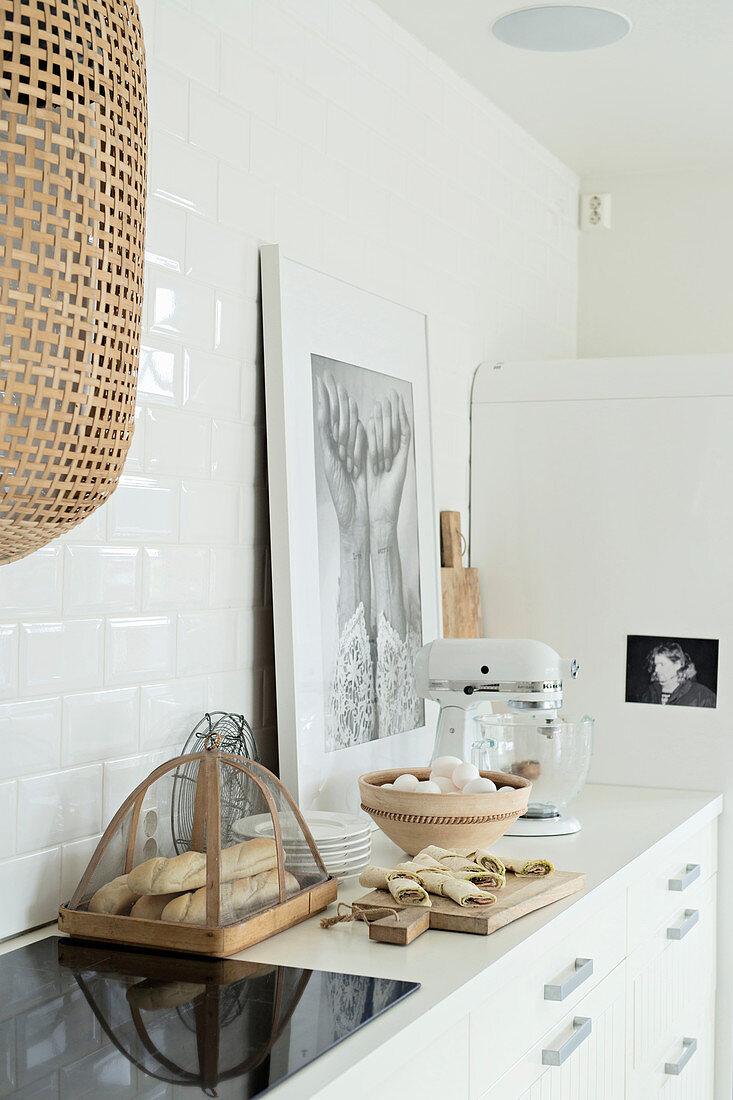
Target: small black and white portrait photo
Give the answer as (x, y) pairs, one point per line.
(674, 672)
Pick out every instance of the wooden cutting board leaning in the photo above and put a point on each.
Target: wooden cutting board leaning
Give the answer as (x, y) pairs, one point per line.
(518, 897)
(461, 593)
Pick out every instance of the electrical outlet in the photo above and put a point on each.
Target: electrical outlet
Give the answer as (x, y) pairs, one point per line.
(595, 211)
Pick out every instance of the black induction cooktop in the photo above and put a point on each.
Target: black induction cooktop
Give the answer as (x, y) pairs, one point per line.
(80, 1020)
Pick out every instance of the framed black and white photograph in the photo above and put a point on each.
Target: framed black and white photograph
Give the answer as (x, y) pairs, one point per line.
(670, 671)
(353, 531)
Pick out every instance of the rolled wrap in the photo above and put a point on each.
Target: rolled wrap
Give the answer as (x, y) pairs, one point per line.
(530, 868)
(407, 891)
(377, 878)
(484, 858)
(466, 894)
(485, 880)
(459, 863)
(433, 881)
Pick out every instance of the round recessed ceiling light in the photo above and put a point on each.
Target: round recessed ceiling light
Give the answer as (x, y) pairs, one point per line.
(561, 28)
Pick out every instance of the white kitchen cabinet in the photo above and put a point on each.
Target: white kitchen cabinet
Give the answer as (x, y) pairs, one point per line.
(589, 1044)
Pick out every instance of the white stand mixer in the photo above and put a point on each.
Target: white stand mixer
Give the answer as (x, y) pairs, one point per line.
(469, 677)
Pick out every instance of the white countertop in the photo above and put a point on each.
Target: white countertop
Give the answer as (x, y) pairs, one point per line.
(622, 828)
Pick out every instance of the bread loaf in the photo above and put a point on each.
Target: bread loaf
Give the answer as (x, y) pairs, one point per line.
(151, 906)
(114, 897)
(237, 899)
(188, 871)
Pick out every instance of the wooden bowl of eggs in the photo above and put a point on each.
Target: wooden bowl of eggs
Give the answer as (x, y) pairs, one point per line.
(450, 804)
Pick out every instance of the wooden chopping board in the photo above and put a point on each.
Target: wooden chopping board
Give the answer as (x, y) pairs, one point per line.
(461, 593)
(518, 897)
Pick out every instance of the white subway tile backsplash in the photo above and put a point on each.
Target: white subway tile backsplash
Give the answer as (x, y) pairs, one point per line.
(101, 579)
(211, 383)
(236, 694)
(165, 234)
(99, 724)
(177, 443)
(182, 174)
(187, 43)
(237, 452)
(302, 114)
(219, 128)
(170, 711)
(75, 858)
(58, 807)
(248, 80)
(30, 734)
(121, 777)
(278, 38)
(144, 508)
(8, 814)
(238, 325)
(29, 888)
(167, 101)
(8, 662)
(60, 656)
(140, 649)
(236, 576)
(159, 373)
(31, 586)
(274, 156)
(209, 512)
(246, 203)
(179, 307)
(207, 642)
(175, 576)
(217, 254)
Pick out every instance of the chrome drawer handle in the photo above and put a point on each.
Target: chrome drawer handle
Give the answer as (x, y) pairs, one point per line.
(582, 1027)
(675, 1068)
(692, 871)
(692, 916)
(583, 971)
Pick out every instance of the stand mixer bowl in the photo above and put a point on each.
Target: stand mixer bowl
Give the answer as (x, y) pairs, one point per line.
(552, 753)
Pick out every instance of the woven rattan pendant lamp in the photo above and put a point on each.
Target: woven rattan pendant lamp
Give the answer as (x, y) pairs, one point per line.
(73, 146)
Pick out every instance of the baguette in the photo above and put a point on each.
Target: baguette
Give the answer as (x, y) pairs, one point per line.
(237, 898)
(188, 871)
(114, 897)
(151, 906)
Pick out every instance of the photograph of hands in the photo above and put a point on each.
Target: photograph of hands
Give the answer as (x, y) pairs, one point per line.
(368, 550)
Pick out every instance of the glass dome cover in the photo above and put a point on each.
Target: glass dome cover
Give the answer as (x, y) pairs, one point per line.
(552, 753)
(216, 894)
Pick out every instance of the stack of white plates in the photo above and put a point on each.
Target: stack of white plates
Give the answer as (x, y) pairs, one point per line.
(343, 840)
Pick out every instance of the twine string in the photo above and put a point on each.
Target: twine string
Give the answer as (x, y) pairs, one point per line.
(351, 912)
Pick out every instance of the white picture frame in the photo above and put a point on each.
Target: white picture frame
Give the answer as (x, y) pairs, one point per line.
(310, 318)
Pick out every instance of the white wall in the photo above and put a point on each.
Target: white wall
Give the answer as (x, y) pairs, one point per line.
(321, 125)
(659, 281)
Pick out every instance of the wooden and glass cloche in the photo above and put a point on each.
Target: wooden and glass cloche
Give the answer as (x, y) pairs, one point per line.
(204, 889)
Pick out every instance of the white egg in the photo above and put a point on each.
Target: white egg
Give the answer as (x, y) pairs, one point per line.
(479, 786)
(463, 774)
(426, 786)
(444, 765)
(406, 782)
(442, 781)
(388, 786)
(506, 789)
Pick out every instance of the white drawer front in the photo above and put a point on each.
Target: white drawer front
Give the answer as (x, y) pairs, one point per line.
(595, 1068)
(669, 979)
(682, 1070)
(504, 1027)
(651, 899)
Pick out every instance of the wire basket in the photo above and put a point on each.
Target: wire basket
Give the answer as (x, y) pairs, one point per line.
(229, 733)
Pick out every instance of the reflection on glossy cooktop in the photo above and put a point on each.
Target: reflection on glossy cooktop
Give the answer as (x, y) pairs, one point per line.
(78, 1020)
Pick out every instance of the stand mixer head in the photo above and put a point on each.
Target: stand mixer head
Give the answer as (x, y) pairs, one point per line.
(469, 675)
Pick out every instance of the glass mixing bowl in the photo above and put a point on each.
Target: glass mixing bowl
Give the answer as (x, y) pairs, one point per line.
(553, 753)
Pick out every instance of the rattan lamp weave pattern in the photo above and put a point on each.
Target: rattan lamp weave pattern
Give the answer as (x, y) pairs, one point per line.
(73, 143)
